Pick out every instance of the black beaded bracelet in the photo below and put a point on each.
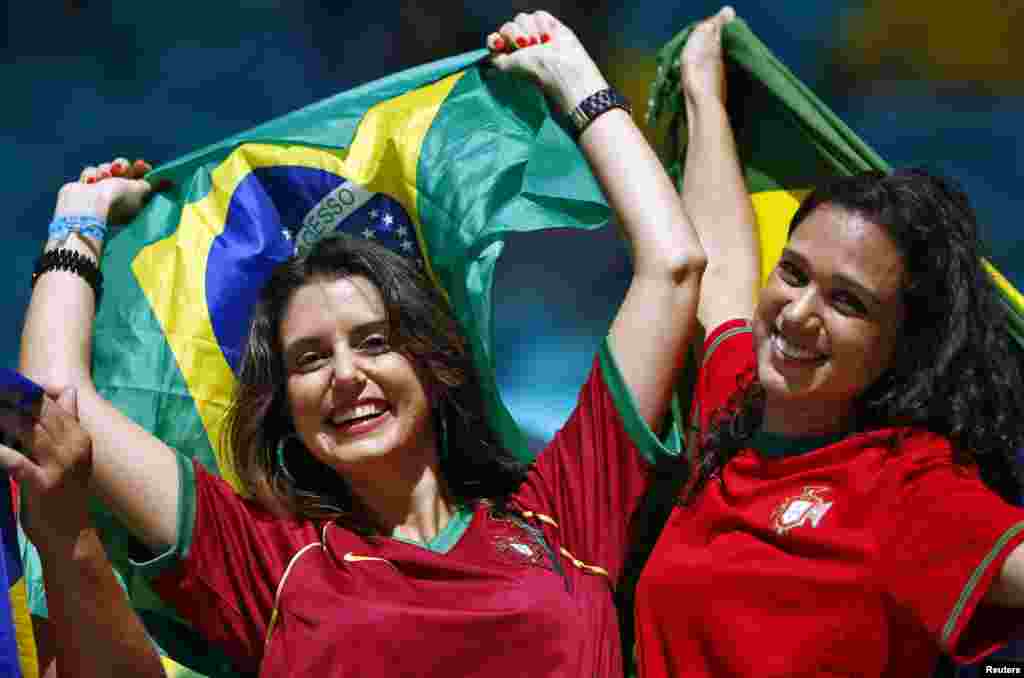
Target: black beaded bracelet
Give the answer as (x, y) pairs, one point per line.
(74, 262)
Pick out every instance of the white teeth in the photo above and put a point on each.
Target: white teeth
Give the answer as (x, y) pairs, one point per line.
(792, 350)
(367, 410)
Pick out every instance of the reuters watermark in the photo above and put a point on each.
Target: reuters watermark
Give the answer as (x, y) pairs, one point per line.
(1002, 667)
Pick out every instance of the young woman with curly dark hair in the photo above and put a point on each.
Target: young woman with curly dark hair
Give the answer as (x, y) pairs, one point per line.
(857, 421)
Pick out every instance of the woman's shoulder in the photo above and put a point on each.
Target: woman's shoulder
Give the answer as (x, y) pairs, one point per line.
(730, 330)
(909, 454)
(226, 503)
(907, 443)
(728, 349)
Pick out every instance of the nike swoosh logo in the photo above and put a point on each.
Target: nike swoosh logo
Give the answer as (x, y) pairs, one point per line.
(353, 558)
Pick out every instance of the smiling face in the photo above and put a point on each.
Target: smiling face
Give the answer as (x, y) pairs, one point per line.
(828, 321)
(353, 397)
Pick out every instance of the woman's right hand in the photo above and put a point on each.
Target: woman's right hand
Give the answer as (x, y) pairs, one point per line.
(114, 191)
(541, 47)
(701, 67)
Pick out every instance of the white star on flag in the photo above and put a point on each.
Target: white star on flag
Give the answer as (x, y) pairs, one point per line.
(286, 233)
(407, 245)
(368, 234)
(401, 231)
(373, 214)
(388, 220)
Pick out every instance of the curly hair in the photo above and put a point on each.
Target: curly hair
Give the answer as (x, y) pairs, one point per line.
(956, 371)
(474, 464)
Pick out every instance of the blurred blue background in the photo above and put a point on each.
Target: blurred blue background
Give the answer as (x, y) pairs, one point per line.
(87, 80)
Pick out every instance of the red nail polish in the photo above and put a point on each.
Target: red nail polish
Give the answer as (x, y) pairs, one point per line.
(117, 169)
(533, 40)
(544, 37)
(522, 42)
(90, 180)
(499, 45)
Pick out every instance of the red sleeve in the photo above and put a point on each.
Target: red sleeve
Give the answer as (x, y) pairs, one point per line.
(726, 366)
(222, 574)
(593, 473)
(943, 540)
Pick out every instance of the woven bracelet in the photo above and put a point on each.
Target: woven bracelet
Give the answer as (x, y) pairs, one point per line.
(62, 227)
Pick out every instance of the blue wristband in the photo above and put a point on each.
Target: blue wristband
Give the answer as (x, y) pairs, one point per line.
(92, 227)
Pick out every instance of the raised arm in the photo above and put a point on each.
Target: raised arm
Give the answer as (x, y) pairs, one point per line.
(656, 320)
(133, 472)
(714, 192)
(91, 628)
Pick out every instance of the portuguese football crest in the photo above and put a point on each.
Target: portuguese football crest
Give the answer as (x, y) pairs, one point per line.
(808, 507)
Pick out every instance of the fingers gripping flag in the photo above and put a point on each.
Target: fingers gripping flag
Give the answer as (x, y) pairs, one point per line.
(440, 162)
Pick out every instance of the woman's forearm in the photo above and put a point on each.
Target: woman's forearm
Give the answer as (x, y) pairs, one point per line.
(662, 239)
(95, 631)
(56, 344)
(714, 192)
(56, 340)
(716, 198)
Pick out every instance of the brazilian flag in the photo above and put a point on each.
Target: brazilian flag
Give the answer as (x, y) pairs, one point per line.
(440, 162)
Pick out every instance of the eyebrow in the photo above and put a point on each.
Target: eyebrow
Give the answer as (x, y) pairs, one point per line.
(842, 278)
(369, 327)
(361, 330)
(294, 349)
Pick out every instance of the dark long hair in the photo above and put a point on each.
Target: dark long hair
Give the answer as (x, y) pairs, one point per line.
(956, 371)
(474, 464)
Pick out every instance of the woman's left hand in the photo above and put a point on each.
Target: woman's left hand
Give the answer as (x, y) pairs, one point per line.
(55, 477)
(540, 46)
(701, 65)
(114, 191)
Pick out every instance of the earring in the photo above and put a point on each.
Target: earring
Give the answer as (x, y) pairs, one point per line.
(281, 454)
(321, 489)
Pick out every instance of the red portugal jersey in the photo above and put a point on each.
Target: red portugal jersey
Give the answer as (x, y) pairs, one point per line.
(486, 598)
(866, 557)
